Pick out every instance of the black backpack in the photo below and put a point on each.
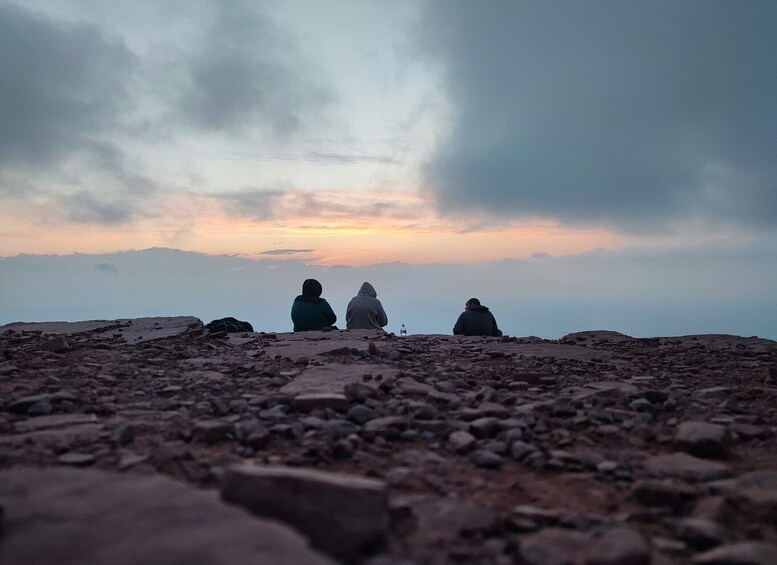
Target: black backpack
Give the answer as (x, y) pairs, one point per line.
(229, 325)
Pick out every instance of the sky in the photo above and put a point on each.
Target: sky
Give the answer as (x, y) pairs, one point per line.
(455, 148)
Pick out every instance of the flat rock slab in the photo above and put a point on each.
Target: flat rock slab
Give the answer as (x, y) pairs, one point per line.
(333, 378)
(745, 553)
(59, 436)
(298, 346)
(554, 350)
(60, 328)
(342, 514)
(54, 421)
(132, 330)
(87, 517)
(683, 466)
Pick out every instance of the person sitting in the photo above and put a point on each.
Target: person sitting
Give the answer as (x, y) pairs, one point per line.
(365, 312)
(310, 312)
(476, 320)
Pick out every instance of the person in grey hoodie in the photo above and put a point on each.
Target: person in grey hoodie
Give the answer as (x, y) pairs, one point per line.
(365, 312)
(476, 320)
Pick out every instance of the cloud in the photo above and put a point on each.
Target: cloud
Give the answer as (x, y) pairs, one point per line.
(319, 157)
(61, 88)
(249, 73)
(84, 207)
(285, 251)
(251, 203)
(107, 268)
(63, 97)
(272, 204)
(635, 115)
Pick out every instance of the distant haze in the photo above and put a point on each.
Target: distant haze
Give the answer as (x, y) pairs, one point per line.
(641, 293)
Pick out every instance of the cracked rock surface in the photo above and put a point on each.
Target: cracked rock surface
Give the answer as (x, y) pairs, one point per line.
(362, 447)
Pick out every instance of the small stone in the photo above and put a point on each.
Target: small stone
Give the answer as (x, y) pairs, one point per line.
(520, 450)
(339, 428)
(21, 405)
(387, 427)
(309, 402)
(745, 553)
(123, 434)
(715, 392)
(486, 410)
(461, 441)
(714, 509)
(654, 396)
(619, 546)
(701, 534)
(361, 414)
(607, 467)
(485, 459)
(210, 431)
(76, 459)
(40, 408)
(258, 439)
(56, 345)
(359, 392)
(485, 427)
(701, 439)
(662, 493)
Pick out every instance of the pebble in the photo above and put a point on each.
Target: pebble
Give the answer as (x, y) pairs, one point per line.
(485, 459)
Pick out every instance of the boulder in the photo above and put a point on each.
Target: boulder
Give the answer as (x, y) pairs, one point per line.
(88, 517)
(344, 515)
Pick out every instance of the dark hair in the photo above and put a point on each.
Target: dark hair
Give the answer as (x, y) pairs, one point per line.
(473, 303)
(311, 288)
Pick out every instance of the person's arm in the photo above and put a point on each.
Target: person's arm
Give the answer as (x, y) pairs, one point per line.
(458, 328)
(382, 317)
(329, 313)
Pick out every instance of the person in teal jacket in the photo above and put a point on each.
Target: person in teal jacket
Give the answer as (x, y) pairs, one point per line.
(309, 311)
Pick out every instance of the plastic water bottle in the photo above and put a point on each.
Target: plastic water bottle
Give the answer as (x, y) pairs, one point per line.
(402, 331)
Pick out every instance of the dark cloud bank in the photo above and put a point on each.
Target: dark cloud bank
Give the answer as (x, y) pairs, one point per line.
(636, 115)
(73, 97)
(63, 94)
(643, 293)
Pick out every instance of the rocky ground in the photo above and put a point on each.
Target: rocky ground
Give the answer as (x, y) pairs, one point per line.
(146, 440)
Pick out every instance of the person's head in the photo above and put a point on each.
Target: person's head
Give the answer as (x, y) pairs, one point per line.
(311, 288)
(472, 303)
(367, 290)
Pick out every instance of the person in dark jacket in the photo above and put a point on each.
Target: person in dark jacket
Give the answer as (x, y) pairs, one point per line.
(476, 320)
(309, 311)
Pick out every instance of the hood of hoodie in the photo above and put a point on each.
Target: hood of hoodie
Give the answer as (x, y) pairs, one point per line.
(367, 290)
(478, 309)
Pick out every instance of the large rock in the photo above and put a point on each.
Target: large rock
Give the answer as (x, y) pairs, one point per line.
(755, 494)
(134, 330)
(701, 439)
(334, 377)
(344, 515)
(80, 517)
